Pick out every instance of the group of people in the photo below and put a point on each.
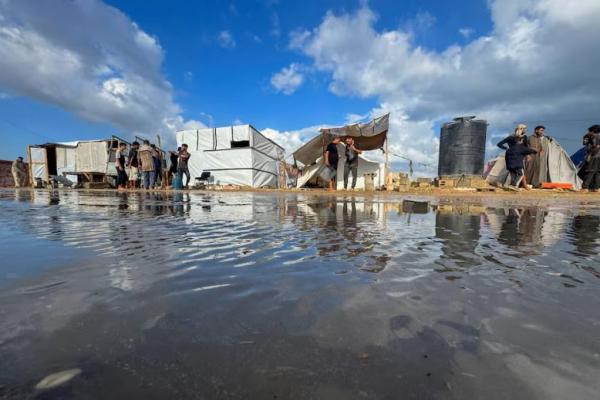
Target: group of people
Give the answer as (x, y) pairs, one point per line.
(331, 159)
(143, 166)
(527, 158)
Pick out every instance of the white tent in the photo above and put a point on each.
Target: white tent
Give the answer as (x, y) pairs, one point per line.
(560, 168)
(236, 155)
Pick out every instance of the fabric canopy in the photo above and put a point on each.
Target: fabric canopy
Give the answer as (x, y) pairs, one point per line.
(369, 136)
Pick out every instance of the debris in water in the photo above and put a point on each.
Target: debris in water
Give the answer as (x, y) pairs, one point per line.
(57, 379)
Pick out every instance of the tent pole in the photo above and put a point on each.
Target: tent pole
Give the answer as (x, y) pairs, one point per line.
(386, 168)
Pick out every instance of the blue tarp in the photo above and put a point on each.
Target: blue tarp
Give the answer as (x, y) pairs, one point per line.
(578, 156)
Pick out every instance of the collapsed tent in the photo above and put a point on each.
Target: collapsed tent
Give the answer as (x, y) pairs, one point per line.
(368, 136)
(370, 174)
(234, 155)
(560, 168)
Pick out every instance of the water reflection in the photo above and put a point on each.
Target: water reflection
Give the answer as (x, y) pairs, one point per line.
(246, 295)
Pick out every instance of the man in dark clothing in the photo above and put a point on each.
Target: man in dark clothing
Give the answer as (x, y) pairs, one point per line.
(174, 156)
(133, 164)
(182, 164)
(331, 159)
(590, 170)
(514, 158)
(120, 166)
(351, 164)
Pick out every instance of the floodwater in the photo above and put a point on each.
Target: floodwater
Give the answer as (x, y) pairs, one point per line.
(285, 296)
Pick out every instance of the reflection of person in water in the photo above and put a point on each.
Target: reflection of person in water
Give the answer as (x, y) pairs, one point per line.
(586, 234)
(522, 226)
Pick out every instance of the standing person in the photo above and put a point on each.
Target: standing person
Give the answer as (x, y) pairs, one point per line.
(536, 165)
(133, 164)
(514, 158)
(331, 158)
(146, 159)
(590, 170)
(519, 136)
(19, 172)
(174, 156)
(351, 164)
(120, 165)
(182, 164)
(157, 161)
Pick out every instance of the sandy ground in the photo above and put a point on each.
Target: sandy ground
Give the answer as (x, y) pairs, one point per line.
(535, 197)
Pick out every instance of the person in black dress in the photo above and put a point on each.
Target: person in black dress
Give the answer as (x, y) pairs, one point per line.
(331, 158)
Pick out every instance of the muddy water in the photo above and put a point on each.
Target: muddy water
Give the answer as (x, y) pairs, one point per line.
(242, 296)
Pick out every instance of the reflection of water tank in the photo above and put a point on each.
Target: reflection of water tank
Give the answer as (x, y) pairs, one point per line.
(462, 147)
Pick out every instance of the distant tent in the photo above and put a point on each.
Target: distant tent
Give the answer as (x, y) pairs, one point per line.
(560, 168)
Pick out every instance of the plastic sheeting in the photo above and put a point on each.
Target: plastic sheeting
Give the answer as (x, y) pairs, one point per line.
(92, 157)
(66, 161)
(240, 166)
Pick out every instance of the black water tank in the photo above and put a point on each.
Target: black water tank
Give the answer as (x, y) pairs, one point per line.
(462, 147)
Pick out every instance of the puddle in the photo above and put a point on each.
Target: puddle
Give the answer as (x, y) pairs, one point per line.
(248, 295)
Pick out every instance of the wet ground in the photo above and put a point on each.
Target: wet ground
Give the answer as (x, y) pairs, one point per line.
(294, 296)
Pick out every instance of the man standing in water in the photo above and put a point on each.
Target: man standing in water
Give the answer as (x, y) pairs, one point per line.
(331, 159)
(536, 165)
(19, 172)
(120, 166)
(351, 164)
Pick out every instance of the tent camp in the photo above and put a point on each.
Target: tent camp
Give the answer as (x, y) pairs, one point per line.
(368, 136)
(235, 155)
(560, 168)
(92, 160)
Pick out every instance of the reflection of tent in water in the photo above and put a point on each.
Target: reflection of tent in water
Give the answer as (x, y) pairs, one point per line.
(559, 166)
(368, 136)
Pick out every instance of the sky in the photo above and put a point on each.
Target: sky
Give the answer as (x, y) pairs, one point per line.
(86, 69)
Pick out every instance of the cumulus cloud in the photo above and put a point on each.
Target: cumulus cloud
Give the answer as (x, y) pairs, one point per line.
(465, 32)
(537, 64)
(226, 40)
(288, 79)
(96, 63)
(293, 139)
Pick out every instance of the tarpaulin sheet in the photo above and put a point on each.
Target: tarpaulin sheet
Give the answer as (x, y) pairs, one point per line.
(369, 136)
(92, 157)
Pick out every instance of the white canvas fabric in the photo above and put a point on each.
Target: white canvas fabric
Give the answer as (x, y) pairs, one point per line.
(66, 161)
(310, 173)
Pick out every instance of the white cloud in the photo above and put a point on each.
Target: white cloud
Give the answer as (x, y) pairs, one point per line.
(188, 76)
(293, 139)
(465, 32)
(288, 79)
(226, 40)
(95, 63)
(537, 64)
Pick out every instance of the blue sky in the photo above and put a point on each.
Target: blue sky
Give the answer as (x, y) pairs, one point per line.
(216, 63)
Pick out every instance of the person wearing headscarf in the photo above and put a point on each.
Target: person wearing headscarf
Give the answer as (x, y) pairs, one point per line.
(590, 170)
(517, 139)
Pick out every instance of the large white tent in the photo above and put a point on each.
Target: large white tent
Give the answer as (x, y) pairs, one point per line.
(235, 155)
